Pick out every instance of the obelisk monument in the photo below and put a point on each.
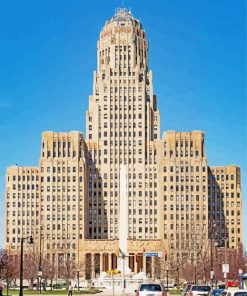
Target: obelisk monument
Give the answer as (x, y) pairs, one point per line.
(123, 260)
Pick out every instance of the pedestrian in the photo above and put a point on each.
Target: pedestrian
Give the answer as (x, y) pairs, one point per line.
(70, 290)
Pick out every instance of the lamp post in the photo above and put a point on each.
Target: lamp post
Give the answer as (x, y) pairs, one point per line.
(225, 274)
(195, 275)
(21, 263)
(78, 279)
(211, 252)
(51, 277)
(40, 269)
(167, 273)
(40, 277)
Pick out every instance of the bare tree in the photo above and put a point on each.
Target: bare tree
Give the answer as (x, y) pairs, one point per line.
(200, 253)
(240, 262)
(49, 270)
(177, 259)
(188, 271)
(67, 268)
(3, 261)
(31, 262)
(9, 271)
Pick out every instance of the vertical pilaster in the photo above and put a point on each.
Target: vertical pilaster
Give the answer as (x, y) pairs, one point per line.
(145, 264)
(83, 264)
(110, 261)
(101, 262)
(92, 265)
(135, 263)
(153, 266)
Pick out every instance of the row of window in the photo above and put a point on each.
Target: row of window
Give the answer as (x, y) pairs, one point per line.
(184, 169)
(23, 195)
(58, 188)
(223, 186)
(120, 125)
(61, 246)
(24, 222)
(114, 116)
(148, 230)
(63, 198)
(184, 188)
(184, 217)
(221, 177)
(220, 194)
(57, 210)
(25, 187)
(74, 236)
(60, 169)
(62, 217)
(182, 154)
(184, 178)
(142, 211)
(24, 178)
(63, 227)
(61, 179)
(74, 154)
(185, 198)
(185, 207)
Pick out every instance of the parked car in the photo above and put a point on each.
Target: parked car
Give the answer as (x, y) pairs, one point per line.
(186, 290)
(216, 292)
(150, 289)
(235, 292)
(199, 290)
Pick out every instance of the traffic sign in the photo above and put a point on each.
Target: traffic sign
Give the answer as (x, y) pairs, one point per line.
(153, 254)
(225, 268)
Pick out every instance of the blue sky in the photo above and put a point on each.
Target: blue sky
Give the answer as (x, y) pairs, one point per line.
(48, 54)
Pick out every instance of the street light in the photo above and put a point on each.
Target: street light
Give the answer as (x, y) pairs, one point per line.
(40, 277)
(225, 274)
(21, 263)
(78, 278)
(167, 273)
(213, 226)
(51, 275)
(40, 269)
(195, 275)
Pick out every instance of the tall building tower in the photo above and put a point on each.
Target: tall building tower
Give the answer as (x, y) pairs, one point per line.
(62, 193)
(22, 205)
(122, 124)
(185, 192)
(225, 204)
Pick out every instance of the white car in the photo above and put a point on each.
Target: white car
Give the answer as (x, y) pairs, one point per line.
(150, 289)
(235, 292)
(199, 290)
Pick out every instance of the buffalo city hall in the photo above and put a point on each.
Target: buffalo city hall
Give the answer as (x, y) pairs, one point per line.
(70, 203)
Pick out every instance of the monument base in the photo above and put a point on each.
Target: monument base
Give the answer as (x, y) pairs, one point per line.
(123, 266)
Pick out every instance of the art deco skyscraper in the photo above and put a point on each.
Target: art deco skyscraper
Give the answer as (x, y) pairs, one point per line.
(70, 203)
(122, 125)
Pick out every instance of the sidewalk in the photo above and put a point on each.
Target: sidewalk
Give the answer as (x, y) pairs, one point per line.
(108, 291)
